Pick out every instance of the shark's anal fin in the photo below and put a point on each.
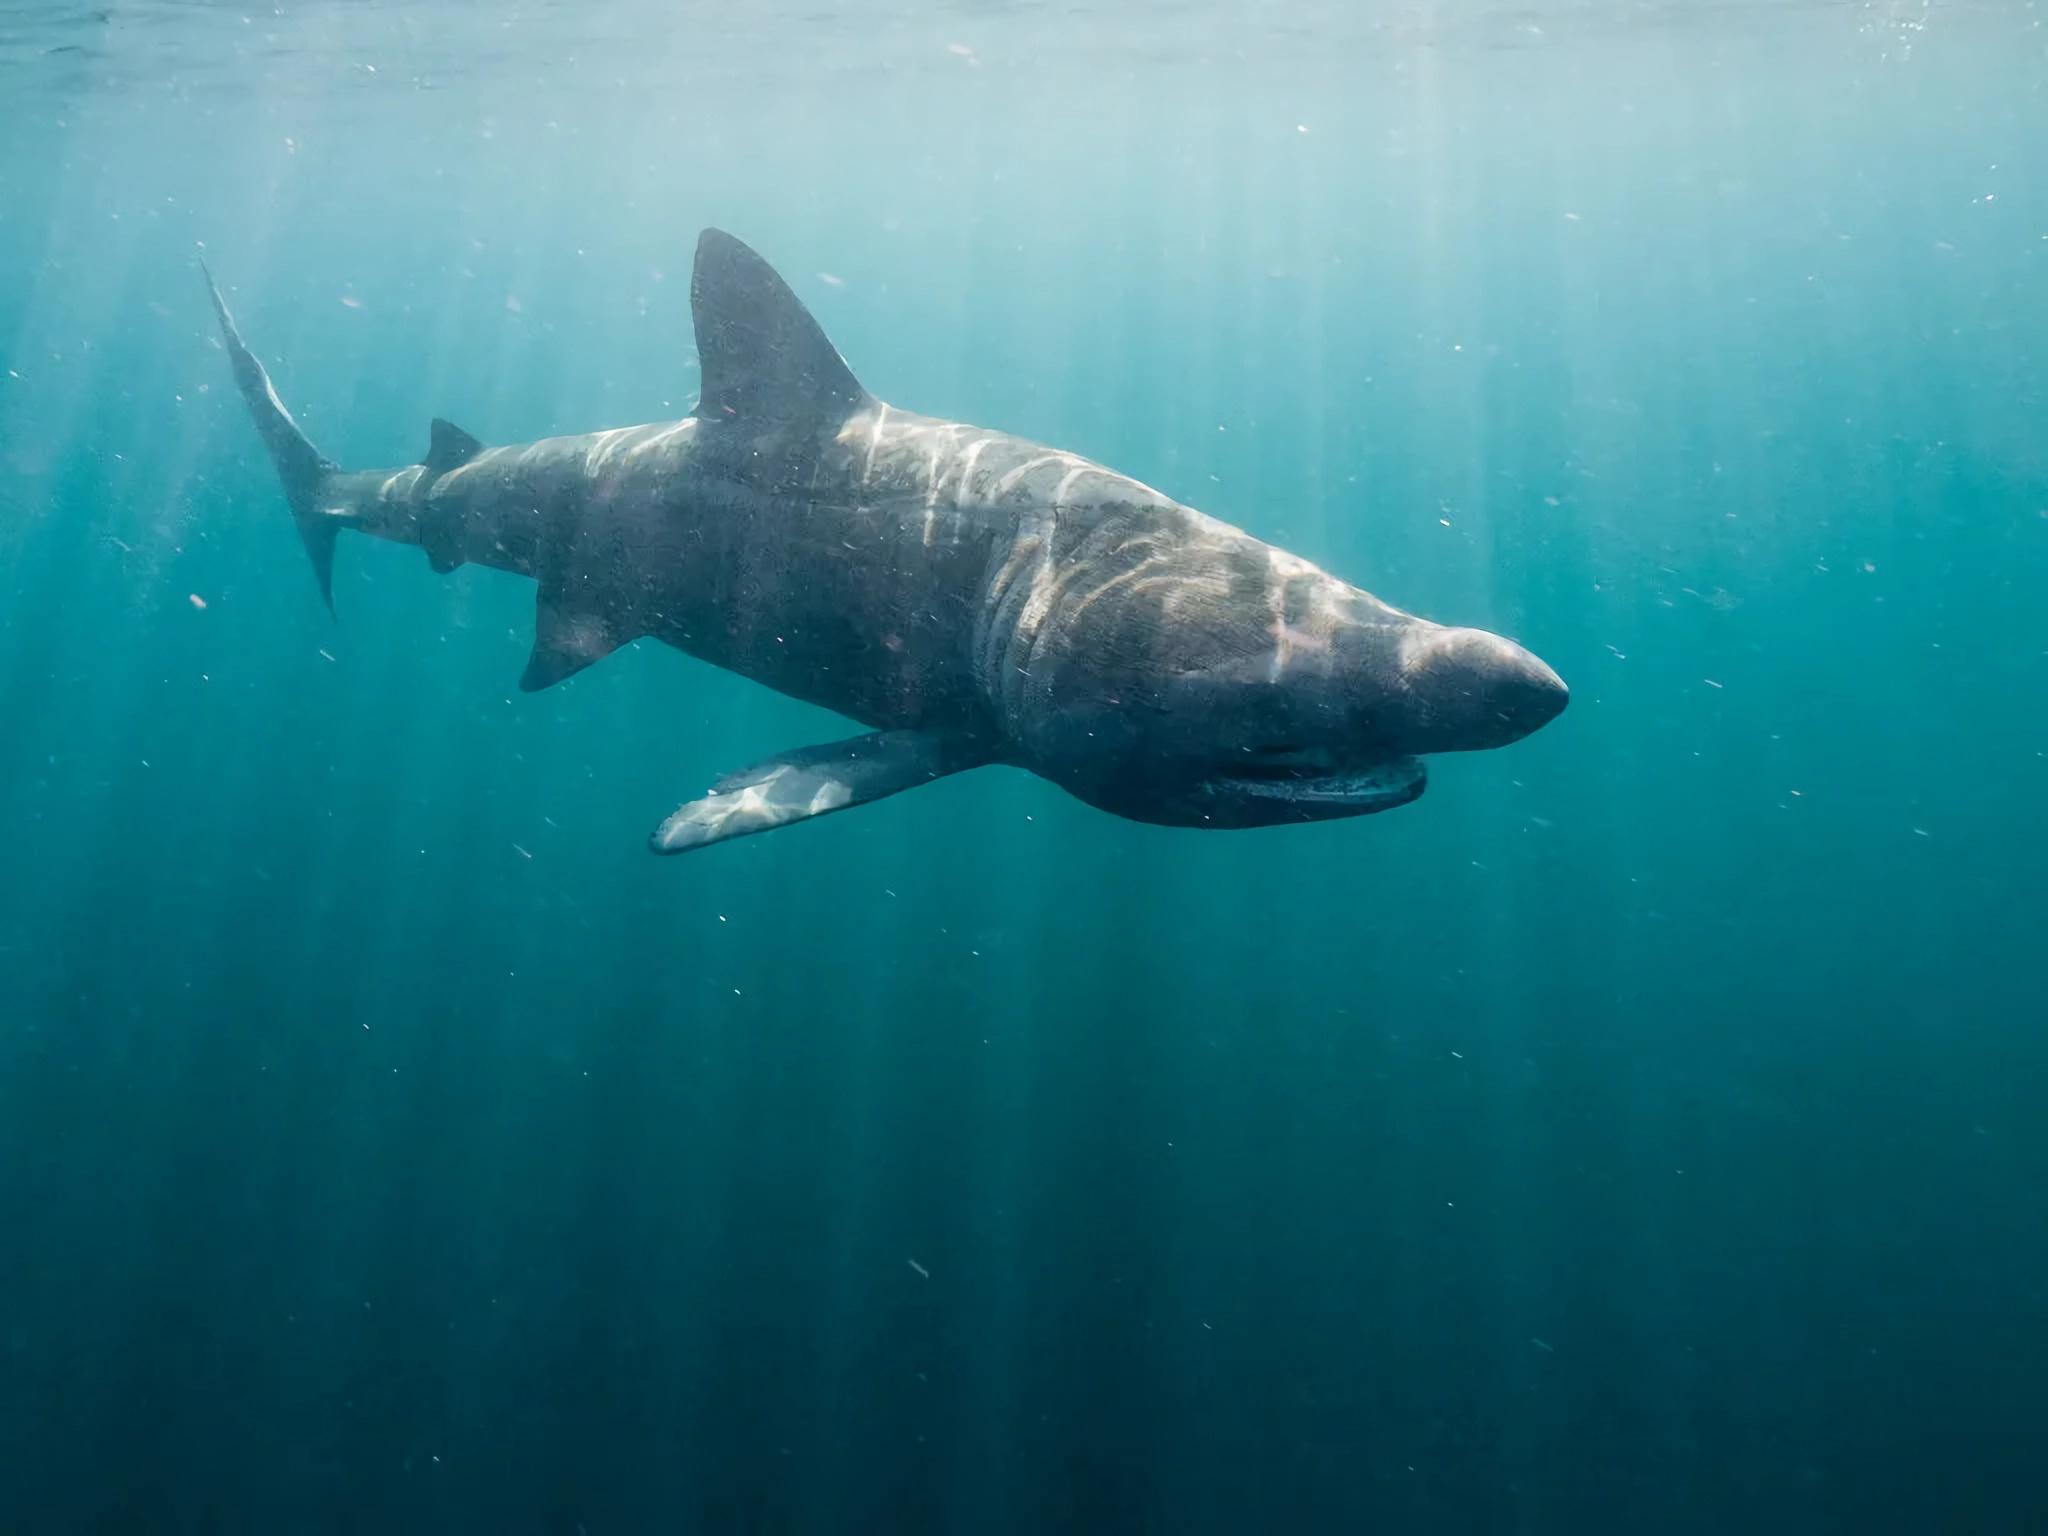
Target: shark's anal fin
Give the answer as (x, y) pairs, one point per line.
(567, 637)
(449, 447)
(815, 781)
(765, 361)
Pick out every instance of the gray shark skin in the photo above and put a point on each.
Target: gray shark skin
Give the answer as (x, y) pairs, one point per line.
(970, 597)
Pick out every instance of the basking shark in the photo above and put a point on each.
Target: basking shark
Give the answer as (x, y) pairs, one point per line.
(970, 597)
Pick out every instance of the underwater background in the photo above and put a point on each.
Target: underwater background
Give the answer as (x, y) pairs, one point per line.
(1642, 1132)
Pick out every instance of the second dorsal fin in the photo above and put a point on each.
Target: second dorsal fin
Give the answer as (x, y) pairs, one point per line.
(449, 447)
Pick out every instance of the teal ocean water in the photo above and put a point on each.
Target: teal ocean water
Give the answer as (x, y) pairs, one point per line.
(1641, 1132)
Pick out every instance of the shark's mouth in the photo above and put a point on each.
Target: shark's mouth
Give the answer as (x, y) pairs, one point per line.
(1297, 779)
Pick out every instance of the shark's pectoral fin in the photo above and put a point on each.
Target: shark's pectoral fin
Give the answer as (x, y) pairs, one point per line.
(814, 781)
(567, 637)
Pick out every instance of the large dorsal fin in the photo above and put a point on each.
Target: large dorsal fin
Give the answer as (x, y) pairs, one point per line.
(764, 358)
(449, 447)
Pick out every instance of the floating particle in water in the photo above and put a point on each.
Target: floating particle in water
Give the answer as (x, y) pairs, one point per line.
(196, 601)
(1711, 683)
(350, 301)
(922, 1272)
(831, 280)
(521, 851)
(1548, 1349)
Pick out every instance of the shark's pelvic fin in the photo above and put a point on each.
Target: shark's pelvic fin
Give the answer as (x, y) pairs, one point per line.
(814, 781)
(449, 447)
(764, 358)
(567, 637)
(300, 465)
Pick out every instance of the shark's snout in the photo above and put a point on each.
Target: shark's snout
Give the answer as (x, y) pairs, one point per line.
(1469, 690)
(1527, 693)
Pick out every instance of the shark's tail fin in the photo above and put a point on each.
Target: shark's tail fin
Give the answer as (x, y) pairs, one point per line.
(299, 464)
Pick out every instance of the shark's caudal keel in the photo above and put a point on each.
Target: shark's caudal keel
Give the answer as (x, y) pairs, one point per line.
(970, 597)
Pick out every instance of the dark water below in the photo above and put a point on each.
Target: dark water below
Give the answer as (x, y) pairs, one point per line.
(1642, 1132)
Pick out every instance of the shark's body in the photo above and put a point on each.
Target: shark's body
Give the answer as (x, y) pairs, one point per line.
(969, 596)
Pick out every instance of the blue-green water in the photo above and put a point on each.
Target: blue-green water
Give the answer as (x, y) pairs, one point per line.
(1642, 1132)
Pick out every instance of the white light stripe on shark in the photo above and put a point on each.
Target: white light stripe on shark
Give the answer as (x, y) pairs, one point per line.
(687, 424)
(1065, 488)
(934, 474)
(398, 485)
(603, 448)
(962, 489)
(1008, 483)
(867, 473)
